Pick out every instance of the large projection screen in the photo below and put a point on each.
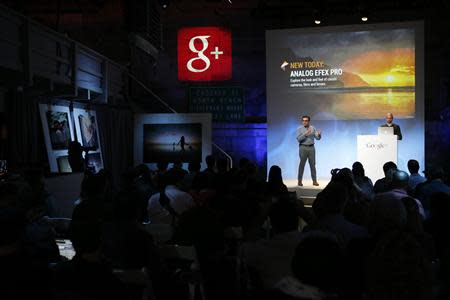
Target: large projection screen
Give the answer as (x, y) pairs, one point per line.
(346, 78)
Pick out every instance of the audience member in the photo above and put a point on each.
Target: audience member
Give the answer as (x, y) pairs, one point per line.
(86, 275)
(269, 260)
(398, 190)
(194, 168)
(439, 222)
(363, 182)
(94, 202)
(356, 245)
(318, 265)
(166, 206)
(329, 208)
(20, 277)
(139, 183)
(398, 269)
(178, 165)
(211, 169)
(275, 185)
(434, 184)
(414, 225)
(383, 185)
(386, 214)
(356, 207)
(414, 178)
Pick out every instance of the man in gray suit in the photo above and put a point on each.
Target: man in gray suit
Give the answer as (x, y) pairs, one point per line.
(306, 134)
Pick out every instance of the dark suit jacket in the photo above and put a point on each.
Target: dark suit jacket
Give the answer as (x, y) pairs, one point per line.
(397, 130)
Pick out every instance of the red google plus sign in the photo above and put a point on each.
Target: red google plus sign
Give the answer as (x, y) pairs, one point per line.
(204, 54)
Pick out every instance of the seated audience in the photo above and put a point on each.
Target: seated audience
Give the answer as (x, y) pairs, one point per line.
(434, 184)
(194, 169)
(439, 222)
(318, 265)
(363, 182)
(269, 260)
(166, 206)
(178, 165)
(356, 207)
(414, 226)
(414, 177)
(94, 202)
(275, 185)
(398, 269)
(211, 169)
(383, 185)
(138, 181)
(398, 190)
(20, 277)
(386, 214)
(126, 243)
(86, 275)
(329, 208)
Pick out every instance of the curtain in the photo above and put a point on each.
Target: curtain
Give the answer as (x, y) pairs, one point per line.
(25, 137)
(116, 137)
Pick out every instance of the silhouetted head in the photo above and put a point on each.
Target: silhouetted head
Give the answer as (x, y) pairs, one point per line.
(388, 168)
(343, 176)
(385, 215)
(94, 186)
(275, 176)
(413, 166)
(399, 180)
(358, 169)
(319, 261)
(331, 200)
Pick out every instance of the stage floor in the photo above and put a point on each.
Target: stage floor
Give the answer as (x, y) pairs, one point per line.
(308, 191)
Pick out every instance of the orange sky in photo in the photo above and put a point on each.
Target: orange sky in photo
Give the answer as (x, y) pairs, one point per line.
(390, 68)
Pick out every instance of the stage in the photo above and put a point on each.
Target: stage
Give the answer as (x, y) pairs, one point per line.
(308, 191)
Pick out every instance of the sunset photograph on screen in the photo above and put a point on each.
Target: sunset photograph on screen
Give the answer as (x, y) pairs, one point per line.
(349, 75)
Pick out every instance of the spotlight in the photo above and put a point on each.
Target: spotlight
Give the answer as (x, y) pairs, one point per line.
(318, 14)
(164, 3)
(364, 18)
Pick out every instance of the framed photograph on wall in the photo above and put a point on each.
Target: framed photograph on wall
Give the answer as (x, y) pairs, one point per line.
(58, 132)
(171, 138)
(87, 131)
(59, 129)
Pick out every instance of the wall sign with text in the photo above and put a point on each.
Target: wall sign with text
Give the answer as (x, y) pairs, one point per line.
(226, 104)
(204, 54)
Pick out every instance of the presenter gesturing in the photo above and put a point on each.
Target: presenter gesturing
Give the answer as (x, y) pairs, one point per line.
(306, 134)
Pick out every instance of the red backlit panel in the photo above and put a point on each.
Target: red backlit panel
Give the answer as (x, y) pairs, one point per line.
(204, 54)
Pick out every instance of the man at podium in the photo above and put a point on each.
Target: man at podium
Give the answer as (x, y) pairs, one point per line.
(395, 127)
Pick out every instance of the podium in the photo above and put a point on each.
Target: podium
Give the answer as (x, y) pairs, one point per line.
(373, 151)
